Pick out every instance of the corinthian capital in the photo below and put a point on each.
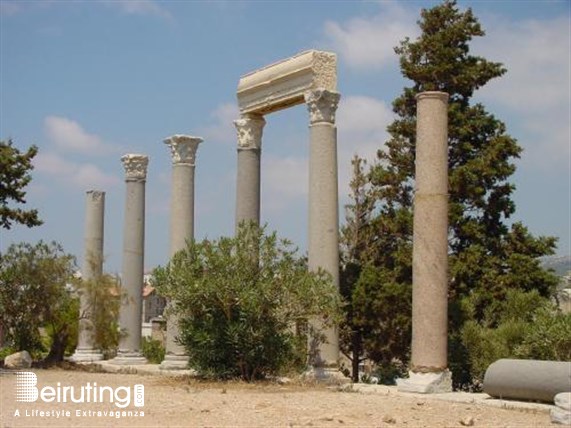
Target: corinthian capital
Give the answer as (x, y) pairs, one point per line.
(183, 148)
(135, 167)
(322, 105)
(250, 128)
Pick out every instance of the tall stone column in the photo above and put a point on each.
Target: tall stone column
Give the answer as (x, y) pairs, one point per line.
(429, 359)
(323, 243)
(92, 271)
(130, 315)
(183, 150)
(250, 128)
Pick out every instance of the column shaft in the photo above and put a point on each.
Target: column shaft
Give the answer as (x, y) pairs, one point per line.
(323, 224)
(323, 242)
(183, 151)
(430, 237)
(92, 271)
(248, 186)
(130, 315)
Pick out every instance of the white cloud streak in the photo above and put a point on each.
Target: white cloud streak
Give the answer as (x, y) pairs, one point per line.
(77, 175)
(222, 129)
(368, 42)
(536, 87)
(68, 135)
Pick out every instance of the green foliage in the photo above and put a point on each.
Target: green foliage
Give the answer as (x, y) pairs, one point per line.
(101, 310)
(548, 337)
(241, 301)
(153, 350)
(523, 325)
(15, 175)
(34, 293)
(487, 258)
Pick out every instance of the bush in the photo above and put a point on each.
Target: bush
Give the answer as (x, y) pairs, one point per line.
(529, 327)
(153, 350)
(36, 283)
(102, 305)
(243, 302)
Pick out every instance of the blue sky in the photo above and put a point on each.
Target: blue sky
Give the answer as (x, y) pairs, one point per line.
(87, 81)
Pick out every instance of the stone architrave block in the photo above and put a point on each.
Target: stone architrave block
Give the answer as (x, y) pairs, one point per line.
(283, 84)
(19, 360)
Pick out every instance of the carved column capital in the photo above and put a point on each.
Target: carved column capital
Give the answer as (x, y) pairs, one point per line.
(135, 167)
(183, 148)
(95, 195)
(250, 128)
(322, 105)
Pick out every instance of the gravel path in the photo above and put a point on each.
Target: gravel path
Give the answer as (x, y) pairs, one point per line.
(185, 403)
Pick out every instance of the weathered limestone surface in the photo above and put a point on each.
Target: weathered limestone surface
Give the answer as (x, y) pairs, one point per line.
(250, 129)
(527, 379)
(430, 246)
(284, 83)
(92, 270)
(19, 360)
(183, 150)
(323, 242)
(133, 261)
(561, 412)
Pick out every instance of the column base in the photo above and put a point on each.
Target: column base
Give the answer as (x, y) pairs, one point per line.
(86, 355)
(426, 383)
(128, 359)
(326, 375)
(174, 362)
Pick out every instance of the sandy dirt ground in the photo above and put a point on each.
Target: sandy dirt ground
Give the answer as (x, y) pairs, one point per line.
(188, 403)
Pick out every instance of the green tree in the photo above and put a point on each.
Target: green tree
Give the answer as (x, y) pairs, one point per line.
(15, 175)
(36, 290)
(487, 257)
(242, 301)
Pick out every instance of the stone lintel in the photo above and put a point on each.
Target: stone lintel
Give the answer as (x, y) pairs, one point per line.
(283, 84)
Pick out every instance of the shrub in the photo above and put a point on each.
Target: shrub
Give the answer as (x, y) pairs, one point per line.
(153, 350)
(529, 326)
(35, 293)
(241, 301)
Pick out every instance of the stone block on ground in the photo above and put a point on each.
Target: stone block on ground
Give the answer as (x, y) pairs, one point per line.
(19, 360)
(563, 400)
(560, 416)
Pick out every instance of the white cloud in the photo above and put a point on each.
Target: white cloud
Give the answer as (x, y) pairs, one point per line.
(362, 123)
(536, 86)
(78, 175)
(222, 130)
(141, 7)
(368, 42)
(67, 134)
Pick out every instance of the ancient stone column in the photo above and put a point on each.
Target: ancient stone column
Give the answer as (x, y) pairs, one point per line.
(183, 150)
(429, 361)
(130, 315)
(250, 128)
(92, 271)
(323, 242)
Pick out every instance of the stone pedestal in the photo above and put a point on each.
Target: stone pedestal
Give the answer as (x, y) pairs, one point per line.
(92, 271)
(130, 315)
(250, 128)
(183, 150)
(430, 249)
(323, 242)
